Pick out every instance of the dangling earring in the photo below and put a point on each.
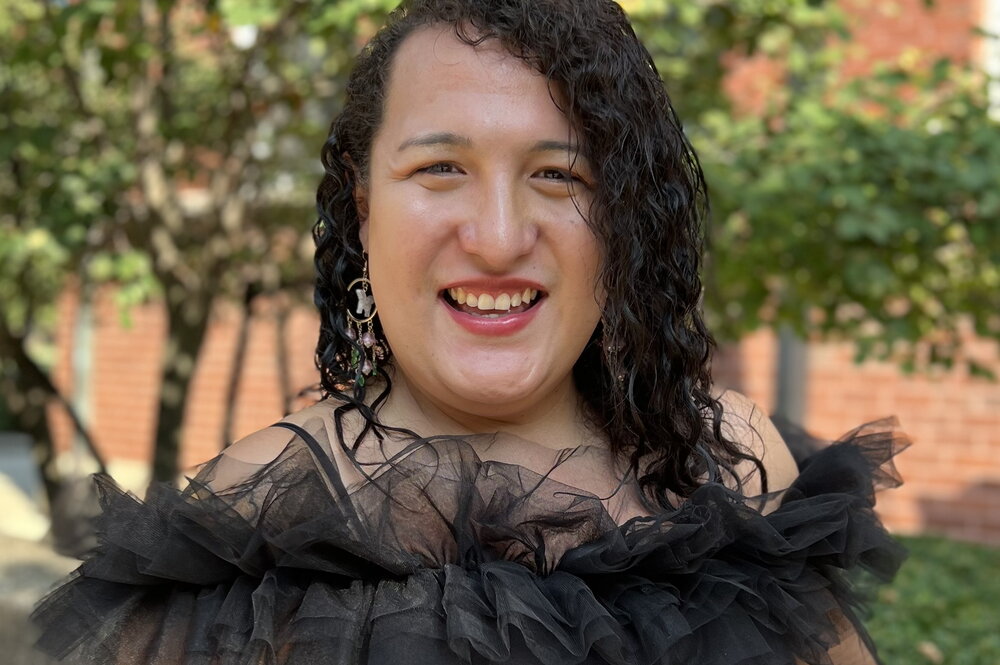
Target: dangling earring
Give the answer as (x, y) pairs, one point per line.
(364, 362)
(609, 351)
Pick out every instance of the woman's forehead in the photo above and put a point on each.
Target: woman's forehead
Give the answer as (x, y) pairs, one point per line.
(435, 55)
(437, 76)
(438, 47)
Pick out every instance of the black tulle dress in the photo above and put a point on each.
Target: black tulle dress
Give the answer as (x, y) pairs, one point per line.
(476, 550)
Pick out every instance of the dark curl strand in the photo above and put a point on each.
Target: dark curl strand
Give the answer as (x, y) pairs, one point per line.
(649, 389)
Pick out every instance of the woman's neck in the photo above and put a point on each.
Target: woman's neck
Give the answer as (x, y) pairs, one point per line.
(558, 422)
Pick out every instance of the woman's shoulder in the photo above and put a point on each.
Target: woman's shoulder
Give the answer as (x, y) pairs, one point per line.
(746, 424)
(313, 425)
(266, 444)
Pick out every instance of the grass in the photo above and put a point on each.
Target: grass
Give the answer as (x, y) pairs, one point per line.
(943, 608)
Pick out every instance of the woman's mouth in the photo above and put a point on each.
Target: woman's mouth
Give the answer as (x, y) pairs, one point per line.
(492, 305)
(495, 311)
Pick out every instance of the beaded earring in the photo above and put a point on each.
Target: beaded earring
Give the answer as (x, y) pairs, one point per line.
(610, 350)
(364, 360)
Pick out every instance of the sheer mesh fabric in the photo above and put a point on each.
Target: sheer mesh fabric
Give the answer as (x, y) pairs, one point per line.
(484, 549)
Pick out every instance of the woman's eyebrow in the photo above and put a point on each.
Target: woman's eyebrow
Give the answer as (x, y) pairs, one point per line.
(435, 138)
(452, 139)
(556, 146)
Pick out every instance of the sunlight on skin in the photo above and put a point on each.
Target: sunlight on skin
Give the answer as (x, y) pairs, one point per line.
(475, 181)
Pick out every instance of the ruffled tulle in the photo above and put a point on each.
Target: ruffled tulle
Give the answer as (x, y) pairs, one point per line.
(444, 557)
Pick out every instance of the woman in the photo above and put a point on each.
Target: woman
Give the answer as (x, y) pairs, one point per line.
(519, 458)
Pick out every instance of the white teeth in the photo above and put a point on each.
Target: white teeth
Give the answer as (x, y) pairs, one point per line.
(486, 302)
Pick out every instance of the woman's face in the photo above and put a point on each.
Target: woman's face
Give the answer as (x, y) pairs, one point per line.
(482, 266)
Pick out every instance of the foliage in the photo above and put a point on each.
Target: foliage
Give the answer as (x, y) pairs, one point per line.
(870, 212)
(149, 138)
(696, 44)
(865, 209)
(942, 608)
(167, 147)
(57, 182)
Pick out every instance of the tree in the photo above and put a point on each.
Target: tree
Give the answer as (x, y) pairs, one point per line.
(870, 214)
(169, 147)
(51, 194)
(862, 209)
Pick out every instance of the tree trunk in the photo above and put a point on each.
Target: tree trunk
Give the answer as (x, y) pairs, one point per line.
(30, 417)
(187, 321)
(239, 359)
(27, 394)
(790, 400)
(281, 357)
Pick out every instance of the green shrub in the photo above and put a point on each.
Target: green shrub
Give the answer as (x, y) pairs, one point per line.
(943, 608)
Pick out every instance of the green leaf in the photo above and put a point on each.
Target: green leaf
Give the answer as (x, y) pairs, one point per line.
(249, 12)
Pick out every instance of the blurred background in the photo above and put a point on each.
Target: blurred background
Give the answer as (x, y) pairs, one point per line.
(158, 162)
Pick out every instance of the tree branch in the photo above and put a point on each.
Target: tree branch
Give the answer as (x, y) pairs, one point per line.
(12, 346)
(74, 82)
(158, 191)
(239, 131)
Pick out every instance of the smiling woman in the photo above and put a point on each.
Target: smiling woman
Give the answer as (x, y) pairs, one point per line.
(472, 166)
(519, 457)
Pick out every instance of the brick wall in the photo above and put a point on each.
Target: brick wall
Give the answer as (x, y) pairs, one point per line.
(126, 370)
(952, 470)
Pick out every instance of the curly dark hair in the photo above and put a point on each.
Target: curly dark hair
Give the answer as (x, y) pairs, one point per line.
(649, 391)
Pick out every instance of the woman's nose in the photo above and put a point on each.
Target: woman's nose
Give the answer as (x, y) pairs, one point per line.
(501, 229)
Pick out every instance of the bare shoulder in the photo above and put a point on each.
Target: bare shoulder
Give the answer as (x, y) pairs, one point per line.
(261, 447)
(240, 461)
(248, 455)
(746, 424)
(265, 445)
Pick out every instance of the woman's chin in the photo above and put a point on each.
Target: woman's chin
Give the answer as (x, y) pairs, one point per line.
(497, 387)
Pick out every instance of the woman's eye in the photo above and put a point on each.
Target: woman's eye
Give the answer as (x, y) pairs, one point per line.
(440, 168)
(563, 177)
